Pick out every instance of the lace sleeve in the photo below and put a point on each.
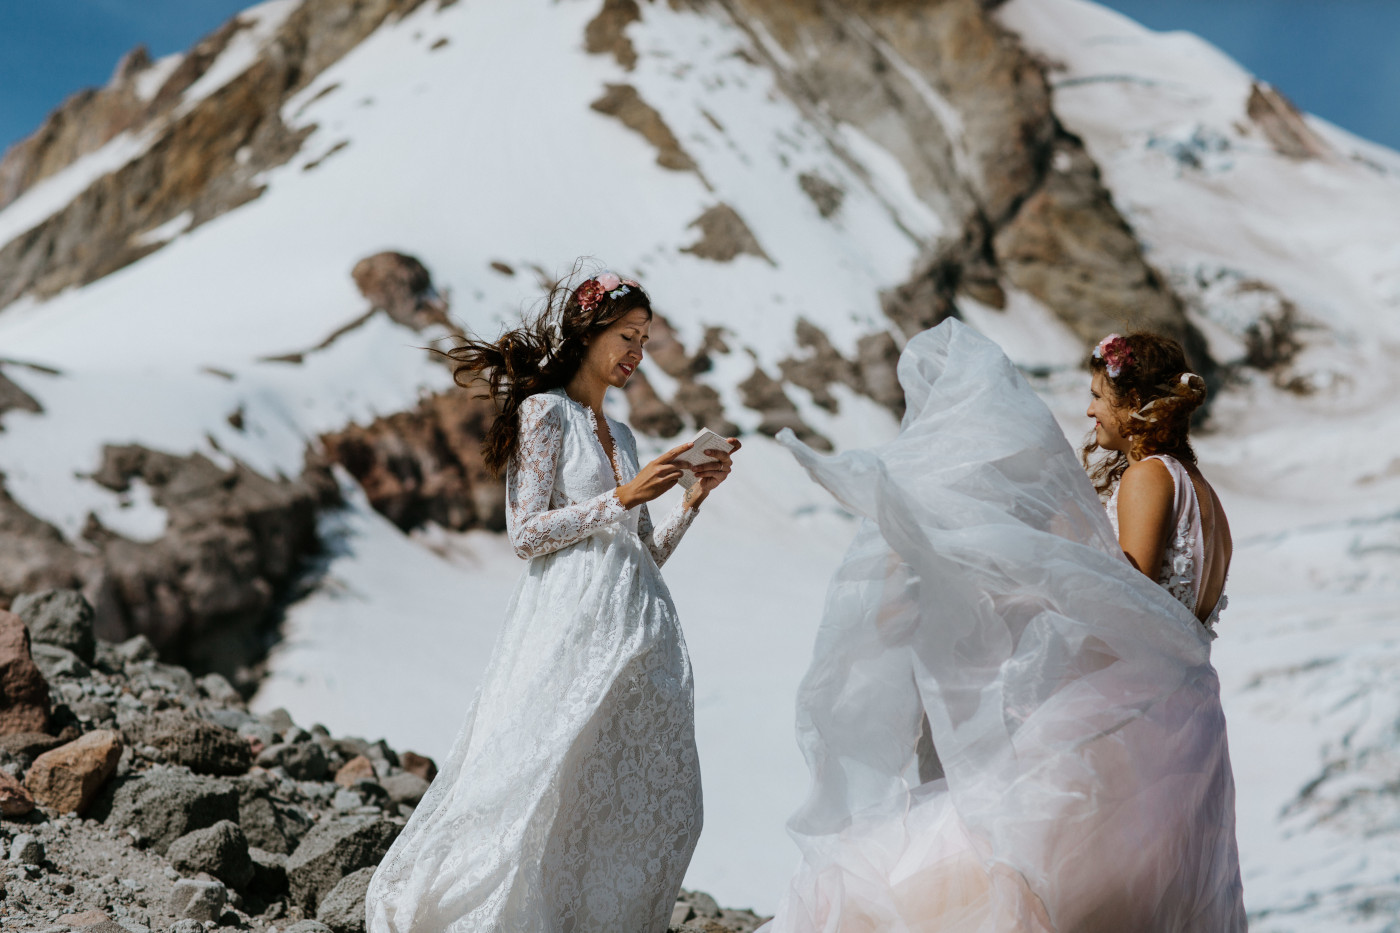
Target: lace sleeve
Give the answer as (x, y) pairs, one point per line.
(534, 527)
(660, 541)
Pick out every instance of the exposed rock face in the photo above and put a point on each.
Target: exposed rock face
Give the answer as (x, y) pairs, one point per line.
(400, 286)
(623, 101)
(13, 398)
(1283, 124)
(204, 161)
(968, 114)
(234, 541)
(425, 465)
(724, 236)
(606, 34)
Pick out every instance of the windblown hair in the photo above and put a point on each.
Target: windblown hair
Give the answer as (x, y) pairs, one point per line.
(1156, 403)
(543, 353)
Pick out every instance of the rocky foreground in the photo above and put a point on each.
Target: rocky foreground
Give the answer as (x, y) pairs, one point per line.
(136, 797)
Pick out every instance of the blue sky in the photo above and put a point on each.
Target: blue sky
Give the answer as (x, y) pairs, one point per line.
(1338, 58)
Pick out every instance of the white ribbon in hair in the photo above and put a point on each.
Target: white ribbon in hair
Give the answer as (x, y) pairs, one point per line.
(1141, 413)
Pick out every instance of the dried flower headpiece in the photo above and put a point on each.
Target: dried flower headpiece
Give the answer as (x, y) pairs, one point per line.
(1115, 353)
(606, 283)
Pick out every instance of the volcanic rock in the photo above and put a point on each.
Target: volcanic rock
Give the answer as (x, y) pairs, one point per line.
(185, 739)
(334, 849)
(24, 694)
(59, 617)
(220, 850)
(67, 778)
(164, 803)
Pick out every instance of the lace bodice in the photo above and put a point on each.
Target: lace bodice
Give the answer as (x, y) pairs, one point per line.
(561, 487)
(1184, 559)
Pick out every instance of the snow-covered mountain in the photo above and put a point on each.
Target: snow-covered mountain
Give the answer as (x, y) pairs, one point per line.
(198, 397)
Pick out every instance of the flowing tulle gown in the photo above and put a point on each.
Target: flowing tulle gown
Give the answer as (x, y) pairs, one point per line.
(1009, 727)
(570, 802)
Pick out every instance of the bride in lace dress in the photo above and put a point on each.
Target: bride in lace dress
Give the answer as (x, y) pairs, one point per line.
(570, 802)
(1011, 717)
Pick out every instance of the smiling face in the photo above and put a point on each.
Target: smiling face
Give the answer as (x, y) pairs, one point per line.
(1108, 418)
(613, 354)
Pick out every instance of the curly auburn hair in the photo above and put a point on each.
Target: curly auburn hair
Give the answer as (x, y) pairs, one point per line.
(1158, 393)
(543, 353)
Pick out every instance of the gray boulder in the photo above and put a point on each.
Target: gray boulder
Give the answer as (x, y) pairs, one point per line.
(163, 804)
(56, 662)
(59, 617)
(185, 926)
(220, 850)
(405, 788)
(332, 850)
(26, 849)
(343, 907)
(308, 926)
(270, 825)
(303, 761)
(134, 649)
(197, 900)
(185, 739)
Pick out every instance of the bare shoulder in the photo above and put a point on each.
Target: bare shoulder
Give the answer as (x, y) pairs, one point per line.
(1147, 478)
(1146, 491)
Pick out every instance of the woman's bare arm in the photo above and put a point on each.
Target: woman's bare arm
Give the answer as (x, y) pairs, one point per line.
(1145, 496)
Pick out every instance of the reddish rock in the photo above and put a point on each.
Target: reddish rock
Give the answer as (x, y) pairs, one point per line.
(14, 799)
(421, 765)
(68, 777)
(401, 287)
(24, 694)
(88, 918)
(356, 769)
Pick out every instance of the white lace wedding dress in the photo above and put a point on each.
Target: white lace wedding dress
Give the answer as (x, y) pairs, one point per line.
(570, 802)
(1009, 727)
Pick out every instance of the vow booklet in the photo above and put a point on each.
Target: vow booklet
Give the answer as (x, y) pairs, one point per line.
(705, 440)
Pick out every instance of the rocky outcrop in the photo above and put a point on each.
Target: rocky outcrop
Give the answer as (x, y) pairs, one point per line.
(206, 591)
(969, 115)
(425, 465)
(1283, 124)
(623, 102)
(724, 236)
(400, 286)
(202, 161)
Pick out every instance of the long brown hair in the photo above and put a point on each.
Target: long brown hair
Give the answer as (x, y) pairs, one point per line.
(1160, 392)
(543, 353)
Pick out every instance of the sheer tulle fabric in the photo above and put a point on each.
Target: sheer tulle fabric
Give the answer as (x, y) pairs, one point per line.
(1008, 727)
(570, 802)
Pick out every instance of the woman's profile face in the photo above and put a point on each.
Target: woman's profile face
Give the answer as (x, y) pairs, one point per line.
(1108, 418)
(614, 354)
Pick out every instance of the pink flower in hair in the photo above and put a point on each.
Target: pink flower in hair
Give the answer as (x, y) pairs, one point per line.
(589, 294)
(1115, 353)
(608, 281)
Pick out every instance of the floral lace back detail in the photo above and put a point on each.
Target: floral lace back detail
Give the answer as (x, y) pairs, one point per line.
(1184, 559)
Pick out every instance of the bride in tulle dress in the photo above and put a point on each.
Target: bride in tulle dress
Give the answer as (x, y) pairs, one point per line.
(1011, 717)
(570, 802)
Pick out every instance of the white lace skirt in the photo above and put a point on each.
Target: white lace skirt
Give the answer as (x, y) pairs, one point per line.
(570, 802)
(1009, 727)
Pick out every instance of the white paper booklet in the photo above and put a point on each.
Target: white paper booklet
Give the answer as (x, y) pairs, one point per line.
(705, 440)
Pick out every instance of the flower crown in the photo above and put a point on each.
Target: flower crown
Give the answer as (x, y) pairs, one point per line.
(1115, 353)
(606, 283)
